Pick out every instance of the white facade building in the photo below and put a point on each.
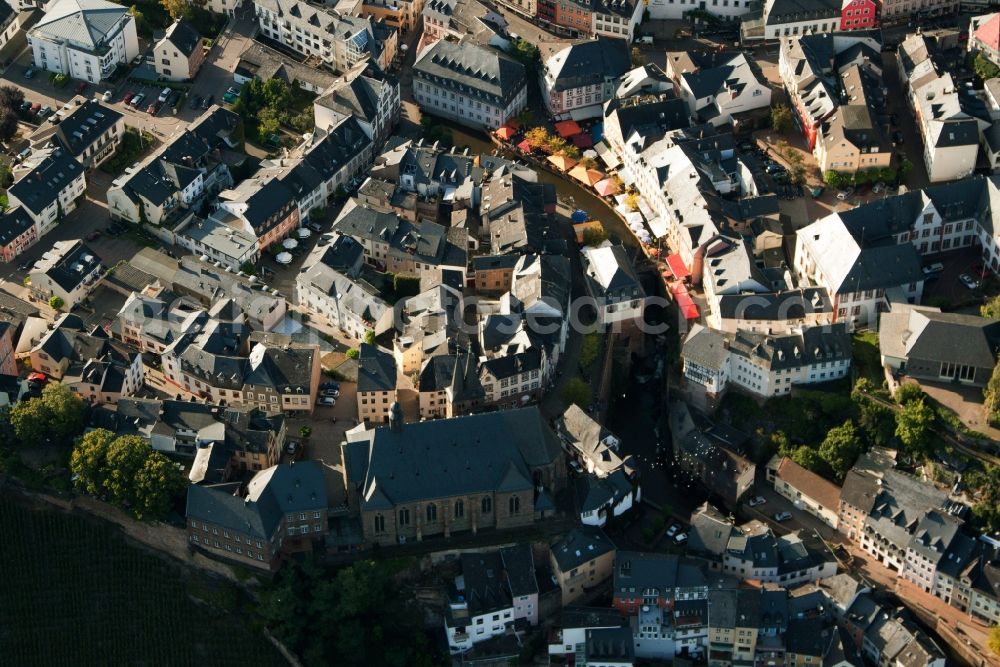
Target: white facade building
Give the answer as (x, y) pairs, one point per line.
(84, 39)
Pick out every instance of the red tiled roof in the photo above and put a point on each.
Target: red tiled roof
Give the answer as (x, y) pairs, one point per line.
(810, 484)
(989, 32)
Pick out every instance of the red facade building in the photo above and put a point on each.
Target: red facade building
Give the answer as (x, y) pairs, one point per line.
(859, 15)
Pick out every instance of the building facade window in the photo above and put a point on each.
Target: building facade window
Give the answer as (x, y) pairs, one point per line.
(487, 505)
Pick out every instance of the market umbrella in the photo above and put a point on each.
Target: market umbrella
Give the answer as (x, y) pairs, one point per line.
(289, 244)
(586, 176)
(284, 258)
(562, 162)
(568, 128)
(303, 232)
(582, 140)
(524, 146)
(505, 132)
(579, 216)
(607, 187)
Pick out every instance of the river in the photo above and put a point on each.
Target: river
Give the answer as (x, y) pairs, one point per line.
(567, 190)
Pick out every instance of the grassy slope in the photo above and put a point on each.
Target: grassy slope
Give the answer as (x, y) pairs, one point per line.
(73, 592)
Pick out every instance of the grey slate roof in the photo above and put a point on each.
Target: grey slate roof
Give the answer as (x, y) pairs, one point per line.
(83, 22)
(642, 571)
(477, 72)
(39, 188)
(592, 62)
(214, 506)
(705, 347)
(448, 457)
(519, 568)
(609, 646)
(14, 223)
(89, 121)
(581, 545)
(183, 35)
(376, 370)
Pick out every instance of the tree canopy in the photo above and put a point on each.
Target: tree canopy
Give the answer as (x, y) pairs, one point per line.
(913, 423)
(128, 470)
(594, 236)
(56, 416)
(781, 118)
(577, 391)
(841, 448)
(356, 618)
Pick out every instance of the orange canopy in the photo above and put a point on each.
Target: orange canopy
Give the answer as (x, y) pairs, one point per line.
(586, 176)
(505, 132)
(562, 162)
(568, 128)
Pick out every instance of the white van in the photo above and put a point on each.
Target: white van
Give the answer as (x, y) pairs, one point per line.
(164, 95)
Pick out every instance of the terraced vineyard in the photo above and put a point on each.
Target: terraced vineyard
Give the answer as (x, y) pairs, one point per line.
(73, 592)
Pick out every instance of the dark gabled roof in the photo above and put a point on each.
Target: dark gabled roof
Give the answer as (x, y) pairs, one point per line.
(13, 224)
(494, 262)
(810, 636)
(581, 545)
(594, 493)
(448, 457)
(216, 507)
(477, 72)
(590, 63)
(183, 35)
(958, 133)
(338, 147)
(710, 531)
(640, 571)
(783, 11)
(63, 270)
(285, 369)
(860, 490)
(39, 188)
(376, 370)
(609, 646)
(295, 487)
(955, 338)
(88, 122)
(485, 588)
(519, 567)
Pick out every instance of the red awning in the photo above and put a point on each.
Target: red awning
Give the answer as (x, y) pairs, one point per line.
(568, 128)
(505, 132)
(684, 301)
(582, 141)
(524, 146)
(676, 265)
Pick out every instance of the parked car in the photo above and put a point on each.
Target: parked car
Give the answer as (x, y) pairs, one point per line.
(128, 97)
(968, 281)
(330, 385)
(25, 265)
(38, 378)
(328, 401)
(332, 393)
(933, 269)
(25, 105)
(291, 447)
(44, 111)
(681, 538)
(153, 108)
(29, 73)
(782, 516)
(757, 500)
(844, 194)
(106, 96)
(164, 94)
(173, 99)
(672, 530)
(137, 100)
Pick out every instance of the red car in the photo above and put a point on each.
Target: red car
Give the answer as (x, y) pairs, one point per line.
(128, 97)
(80, 87)
(39, 378)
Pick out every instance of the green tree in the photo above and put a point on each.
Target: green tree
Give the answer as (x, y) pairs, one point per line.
(594, 236)
(353, 353)
(833, 178)
(524, 51)
(305, 432)
(89, 459)
(405, 285)
(905, 167)
(56, 302)
(632, 201)
(537, 137)
(781, 118)
(6, 176)
(638, 57)
(808, 458)
(125, 459)
(991, 395)
(991, 309)
(576, 390)
(994, 639)
(155, 486)
(55, 416)
(11, 97)
(557, 145)
(177, 9)
(841, 448)
(370, 336)
(913, 424)
(590, 348)
(907, 392)
(141, 26)
(317, 214)
(267, 123)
